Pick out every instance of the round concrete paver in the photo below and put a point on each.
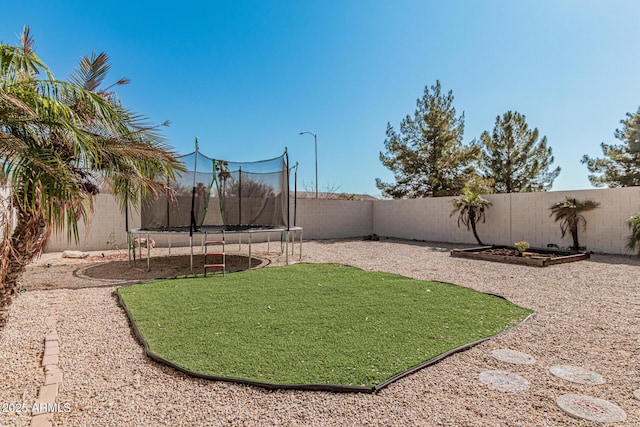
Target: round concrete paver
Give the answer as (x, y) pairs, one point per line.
(591, 408)
(576, 374)
(504, 381)
(636, 394)
(513, 356)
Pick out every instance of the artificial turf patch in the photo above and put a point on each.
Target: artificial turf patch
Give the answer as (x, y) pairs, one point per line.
(311, 323)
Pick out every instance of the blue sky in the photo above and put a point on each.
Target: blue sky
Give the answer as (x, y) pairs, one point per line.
(247, 76)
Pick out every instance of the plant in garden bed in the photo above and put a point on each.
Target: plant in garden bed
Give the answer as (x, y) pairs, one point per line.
(521, 246)
(569, 214)
(470, 208)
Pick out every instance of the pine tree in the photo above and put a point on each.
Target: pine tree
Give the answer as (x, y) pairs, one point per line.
(513, 157)
(621, 165)
(427, 156)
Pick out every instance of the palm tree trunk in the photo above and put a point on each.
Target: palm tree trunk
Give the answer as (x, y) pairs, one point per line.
(574, 235)
(475, 233)
(19, 247)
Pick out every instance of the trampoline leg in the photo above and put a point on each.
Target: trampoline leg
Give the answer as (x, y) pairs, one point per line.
(191, 257)
(249, 251)
(139, 250)
(286, 247)
(148, 253)
(300, 245)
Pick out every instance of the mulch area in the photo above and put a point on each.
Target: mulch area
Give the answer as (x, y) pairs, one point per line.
(515, 253)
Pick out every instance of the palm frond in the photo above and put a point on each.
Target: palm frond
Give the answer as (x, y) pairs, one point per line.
(633, 241)
(91, 71)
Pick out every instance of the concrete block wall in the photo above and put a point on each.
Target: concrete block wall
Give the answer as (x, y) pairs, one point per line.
(334, 219)
(420, 219)
(107, 218)
(513, 217)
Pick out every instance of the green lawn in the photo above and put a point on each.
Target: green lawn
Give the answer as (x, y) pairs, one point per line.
(311, 323)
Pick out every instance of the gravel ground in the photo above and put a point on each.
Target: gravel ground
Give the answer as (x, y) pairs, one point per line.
(588, 315)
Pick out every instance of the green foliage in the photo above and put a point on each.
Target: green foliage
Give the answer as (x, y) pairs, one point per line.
(620, 166)
(470, 209)
(521, 246)
(311, 323)
(479, 184)
(569, 214)
(61, 143)
(514, 157)
(345, 196)
(427, 156)
(633, 241)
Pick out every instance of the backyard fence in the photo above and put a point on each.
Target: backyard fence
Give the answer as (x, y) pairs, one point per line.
(513, 217)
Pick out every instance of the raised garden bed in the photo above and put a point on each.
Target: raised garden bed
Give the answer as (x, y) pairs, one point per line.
(533, 257)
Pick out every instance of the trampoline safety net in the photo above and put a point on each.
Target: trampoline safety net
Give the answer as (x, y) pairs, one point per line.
(218, 193)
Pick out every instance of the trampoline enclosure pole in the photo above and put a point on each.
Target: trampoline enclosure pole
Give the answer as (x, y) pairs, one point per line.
(295, 194)
(193, 191)
(286, 166)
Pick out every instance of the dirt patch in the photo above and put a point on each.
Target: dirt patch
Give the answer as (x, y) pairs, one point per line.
(516, 253)
(115, 269)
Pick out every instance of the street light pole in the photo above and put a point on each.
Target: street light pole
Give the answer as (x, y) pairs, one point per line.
(315, 142)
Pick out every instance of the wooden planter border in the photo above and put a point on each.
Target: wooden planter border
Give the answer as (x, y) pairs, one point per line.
(533, 261)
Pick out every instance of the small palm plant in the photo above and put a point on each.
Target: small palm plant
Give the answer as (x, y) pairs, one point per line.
(633, 242)
(569, 214)
(470, 208)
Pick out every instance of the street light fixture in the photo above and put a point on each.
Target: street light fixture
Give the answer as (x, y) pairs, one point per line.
(315, 142)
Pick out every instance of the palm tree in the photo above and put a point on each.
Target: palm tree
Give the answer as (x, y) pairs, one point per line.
(633, 242)
(470, 208)
(60, 143)
(569, 214)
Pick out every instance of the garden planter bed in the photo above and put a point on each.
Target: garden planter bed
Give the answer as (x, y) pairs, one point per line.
(533, 257)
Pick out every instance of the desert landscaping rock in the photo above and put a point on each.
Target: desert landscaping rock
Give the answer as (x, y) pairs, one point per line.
(109, 381)
(513, 356)
(576, 374)
(591, 408)
(74, 254)
(636, 394)
(504, 381)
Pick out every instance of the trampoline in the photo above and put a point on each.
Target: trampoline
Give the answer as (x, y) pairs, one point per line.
(220, 197)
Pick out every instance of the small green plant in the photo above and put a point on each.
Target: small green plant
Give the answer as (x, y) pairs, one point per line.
(112, 243)
(521, 246)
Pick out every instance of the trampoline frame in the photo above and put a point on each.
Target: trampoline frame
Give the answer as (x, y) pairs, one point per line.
(289, 233)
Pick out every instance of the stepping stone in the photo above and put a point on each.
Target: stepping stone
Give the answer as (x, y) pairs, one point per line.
(513, 356)
(591, 408)
(636, 394)
(576, 374)
(503, 381)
